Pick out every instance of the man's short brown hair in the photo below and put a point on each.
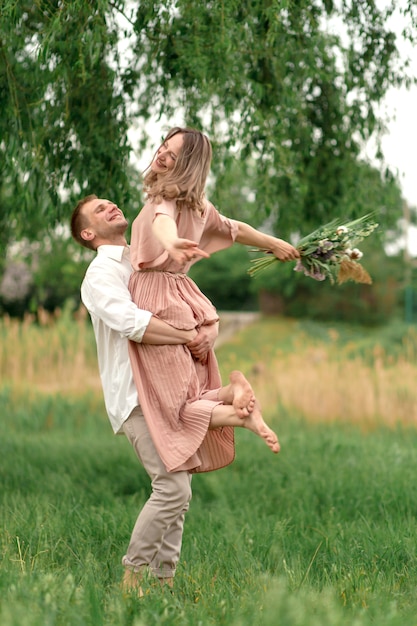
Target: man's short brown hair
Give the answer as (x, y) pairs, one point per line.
(79, 222)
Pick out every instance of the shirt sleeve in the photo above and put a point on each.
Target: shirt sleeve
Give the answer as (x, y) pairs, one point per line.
(106, 296)
(219, 233)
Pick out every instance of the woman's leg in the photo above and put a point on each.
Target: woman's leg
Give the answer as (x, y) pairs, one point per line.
(239, 393)
(225, 415)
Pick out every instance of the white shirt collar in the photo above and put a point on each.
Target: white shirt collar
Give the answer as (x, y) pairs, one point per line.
(113, 252)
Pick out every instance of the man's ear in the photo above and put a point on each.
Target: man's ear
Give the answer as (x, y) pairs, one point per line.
(87, 234)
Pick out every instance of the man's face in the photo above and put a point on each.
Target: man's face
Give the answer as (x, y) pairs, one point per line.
(105, 221)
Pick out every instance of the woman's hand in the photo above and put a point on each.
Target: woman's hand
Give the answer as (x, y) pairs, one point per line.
(184, 250)
(180, 250)
(284, 251)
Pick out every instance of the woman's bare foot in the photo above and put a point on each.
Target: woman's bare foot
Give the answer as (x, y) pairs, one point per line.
(243, 397)
(256, 424)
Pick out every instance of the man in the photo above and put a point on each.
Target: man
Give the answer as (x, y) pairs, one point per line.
(155, 544)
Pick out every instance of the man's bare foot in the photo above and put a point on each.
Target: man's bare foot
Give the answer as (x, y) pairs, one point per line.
(243, 399)
(256, 424)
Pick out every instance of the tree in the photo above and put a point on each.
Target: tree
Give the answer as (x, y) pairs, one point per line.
(266, 79)
(64, 120)
(270, 83)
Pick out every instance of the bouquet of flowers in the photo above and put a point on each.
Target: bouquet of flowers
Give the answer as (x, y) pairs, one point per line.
(330, 252)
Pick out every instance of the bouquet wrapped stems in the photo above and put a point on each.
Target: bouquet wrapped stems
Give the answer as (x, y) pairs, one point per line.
(330, 252)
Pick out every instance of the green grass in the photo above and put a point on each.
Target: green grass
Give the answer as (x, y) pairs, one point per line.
(323, 534)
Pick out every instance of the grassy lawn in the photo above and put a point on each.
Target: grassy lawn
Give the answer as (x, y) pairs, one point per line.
(322, 534)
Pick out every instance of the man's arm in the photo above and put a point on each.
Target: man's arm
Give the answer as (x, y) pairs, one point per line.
(160, 333)
(107, 297)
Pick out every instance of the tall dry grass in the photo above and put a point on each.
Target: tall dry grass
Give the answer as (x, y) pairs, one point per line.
(324, 388)
(322, 379)
(326, 379)
(54, 353)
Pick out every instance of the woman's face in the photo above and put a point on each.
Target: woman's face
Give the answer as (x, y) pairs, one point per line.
(167, 154)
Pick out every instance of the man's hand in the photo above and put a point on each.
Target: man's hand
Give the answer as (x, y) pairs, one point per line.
(203, 342)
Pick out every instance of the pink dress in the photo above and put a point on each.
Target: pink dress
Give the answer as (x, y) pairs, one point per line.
(178, 394)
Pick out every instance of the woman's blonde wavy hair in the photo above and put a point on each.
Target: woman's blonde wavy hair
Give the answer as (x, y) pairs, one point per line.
(186, 181)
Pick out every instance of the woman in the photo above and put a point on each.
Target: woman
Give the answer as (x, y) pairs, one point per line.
(191, 417)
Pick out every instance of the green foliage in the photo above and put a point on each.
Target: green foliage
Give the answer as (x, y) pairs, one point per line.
(224, 279)
(287, 103)
(279, 289)
(59, 269)
(282, 290)
(63, 122)
(54, 268)
(272, 87)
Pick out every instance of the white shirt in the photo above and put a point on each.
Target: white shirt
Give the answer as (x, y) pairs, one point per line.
(115, 318)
